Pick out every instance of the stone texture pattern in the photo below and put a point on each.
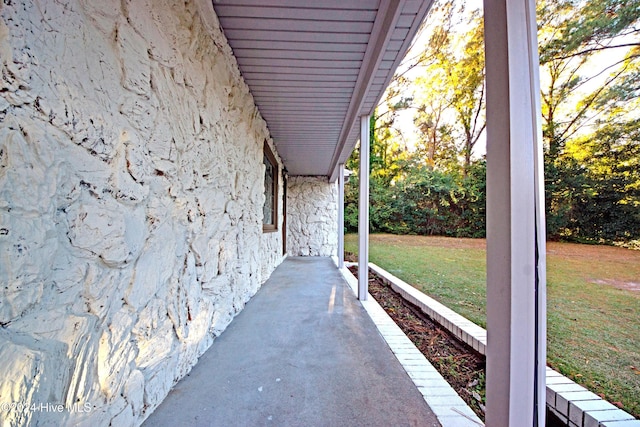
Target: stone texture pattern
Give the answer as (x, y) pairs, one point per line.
(131, 192)
(312, 216)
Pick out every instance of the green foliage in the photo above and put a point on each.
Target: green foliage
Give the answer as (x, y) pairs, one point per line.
(432, 202)
(437, 188)
(423, 201)
(600, 185)
(582, 27)
(590, 124)
(591, 127)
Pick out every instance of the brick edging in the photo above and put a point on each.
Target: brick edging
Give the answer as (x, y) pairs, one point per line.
(438, 394)
(572, 403)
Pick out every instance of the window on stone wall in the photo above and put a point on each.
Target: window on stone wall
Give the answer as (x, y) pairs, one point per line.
(270, 209)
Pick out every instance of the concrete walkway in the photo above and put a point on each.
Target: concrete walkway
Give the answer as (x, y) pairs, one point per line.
(303, 352)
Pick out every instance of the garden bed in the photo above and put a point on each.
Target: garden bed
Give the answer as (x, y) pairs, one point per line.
(590, 317)
(459, 364)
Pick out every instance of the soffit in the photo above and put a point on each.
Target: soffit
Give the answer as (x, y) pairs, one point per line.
(315, 67)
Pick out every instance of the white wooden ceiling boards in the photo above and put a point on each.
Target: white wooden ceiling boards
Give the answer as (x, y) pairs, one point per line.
(315, 67)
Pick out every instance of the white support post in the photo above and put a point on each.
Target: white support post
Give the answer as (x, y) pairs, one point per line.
(341, 215)
(363, 212)
(516, 277)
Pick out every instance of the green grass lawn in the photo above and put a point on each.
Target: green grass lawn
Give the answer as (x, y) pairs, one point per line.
(593, 315)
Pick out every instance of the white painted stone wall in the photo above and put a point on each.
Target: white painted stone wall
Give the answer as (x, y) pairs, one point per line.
(312, 216)
(131, 193)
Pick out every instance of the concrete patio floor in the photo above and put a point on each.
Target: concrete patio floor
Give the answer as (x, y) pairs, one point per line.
(303, 352)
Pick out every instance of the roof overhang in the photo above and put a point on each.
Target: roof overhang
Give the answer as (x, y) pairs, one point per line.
(314, 67)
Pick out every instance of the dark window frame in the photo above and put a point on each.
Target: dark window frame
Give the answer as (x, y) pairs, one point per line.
(268, 156)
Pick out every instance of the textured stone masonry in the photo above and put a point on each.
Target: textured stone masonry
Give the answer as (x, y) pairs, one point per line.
(312, 216)
(131, 193)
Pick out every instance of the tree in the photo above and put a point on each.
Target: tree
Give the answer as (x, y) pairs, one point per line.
(583, 95)
(436, 188)
(570, 34)
(436, 144)
(468, 80)
(608, 206)
(591, 127)
(450, 91)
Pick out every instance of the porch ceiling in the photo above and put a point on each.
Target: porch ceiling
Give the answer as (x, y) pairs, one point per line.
(314, 67)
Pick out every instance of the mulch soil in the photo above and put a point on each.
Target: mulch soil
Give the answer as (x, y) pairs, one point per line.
(459, 364)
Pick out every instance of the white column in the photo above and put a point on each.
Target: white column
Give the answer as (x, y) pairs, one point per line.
(363, 212)
(516, 277)
(341, 215)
